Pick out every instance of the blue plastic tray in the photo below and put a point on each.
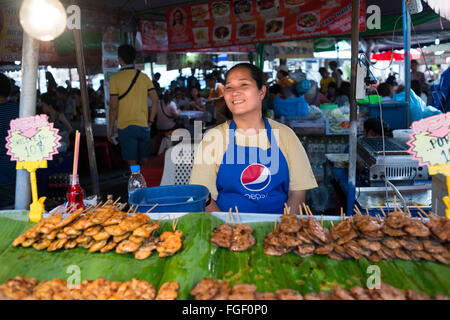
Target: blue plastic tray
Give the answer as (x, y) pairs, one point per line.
(171, 198)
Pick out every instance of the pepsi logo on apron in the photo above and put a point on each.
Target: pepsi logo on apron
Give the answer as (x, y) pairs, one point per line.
(253, 186)
(256, 177)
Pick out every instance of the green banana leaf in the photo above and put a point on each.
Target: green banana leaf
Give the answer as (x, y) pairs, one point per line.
(199, 258)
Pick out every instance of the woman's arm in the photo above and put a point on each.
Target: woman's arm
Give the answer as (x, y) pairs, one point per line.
(213, 207)
(295, 198)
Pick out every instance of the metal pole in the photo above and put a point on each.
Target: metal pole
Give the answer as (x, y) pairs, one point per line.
(407, 45)
(30, 60)
(353, 109)
(86, 110)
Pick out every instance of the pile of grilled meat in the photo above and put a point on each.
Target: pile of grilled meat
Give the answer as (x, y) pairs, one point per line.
(236, 238)
(209, 289)
(396, 236)
(23, 288)
(101, 230)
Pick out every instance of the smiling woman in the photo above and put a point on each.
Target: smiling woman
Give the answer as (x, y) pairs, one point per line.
(251, 162)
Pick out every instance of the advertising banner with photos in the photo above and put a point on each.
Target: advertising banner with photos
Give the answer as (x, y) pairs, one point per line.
(229, 23)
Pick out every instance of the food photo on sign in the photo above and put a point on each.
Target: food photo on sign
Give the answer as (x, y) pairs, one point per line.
(222, 33)
(221, 9)
(246, 30)
(200, 13)
(308, 21)
(242, 7)
(263, 5)
(274, 27)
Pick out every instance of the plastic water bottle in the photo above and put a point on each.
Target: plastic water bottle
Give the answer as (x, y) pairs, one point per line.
(136, 180)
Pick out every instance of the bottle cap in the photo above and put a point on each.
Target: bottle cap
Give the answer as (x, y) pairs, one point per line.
(135, 168)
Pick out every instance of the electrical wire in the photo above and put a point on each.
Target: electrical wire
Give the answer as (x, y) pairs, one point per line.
(392, 49)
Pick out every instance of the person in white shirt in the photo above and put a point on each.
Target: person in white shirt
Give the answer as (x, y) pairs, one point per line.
(167, 114)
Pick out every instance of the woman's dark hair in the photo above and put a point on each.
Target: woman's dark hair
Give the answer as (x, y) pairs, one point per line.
(255, 72)
(182, 16)
(167, 97)
(5, 86)
(374, 124)
(127, 53)
(384, 89)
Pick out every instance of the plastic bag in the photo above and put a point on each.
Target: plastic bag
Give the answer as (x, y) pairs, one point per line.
(291, 107)
(418, 108)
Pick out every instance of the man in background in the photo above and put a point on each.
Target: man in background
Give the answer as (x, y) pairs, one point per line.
(129, 89)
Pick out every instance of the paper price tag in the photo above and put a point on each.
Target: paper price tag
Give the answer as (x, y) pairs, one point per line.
(430, 140)
(32, 139)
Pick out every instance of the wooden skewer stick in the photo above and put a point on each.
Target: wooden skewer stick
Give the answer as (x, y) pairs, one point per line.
(131, 208)
(237, 213)
(306, 210)
(231, 214)
(357, 210)
(114, 203)
(367, 212)
(421, 216)
(382, 211)
(122, 206)
(135, 209)
(176, 224)
(285, 208)
(98, 205)
(321, 219)
(332, 224)
(342, 212)
(151, 208)
(309, 211)
(275, 225)
(423, 212)
(301, 211)
(228, 215)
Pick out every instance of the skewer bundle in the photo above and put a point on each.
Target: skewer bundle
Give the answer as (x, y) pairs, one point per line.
(23, 288)
(237, 237)
(396, 235)
(101, 229)
(209, 289)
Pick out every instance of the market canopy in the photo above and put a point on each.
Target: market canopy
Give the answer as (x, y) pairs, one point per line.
(115, 18)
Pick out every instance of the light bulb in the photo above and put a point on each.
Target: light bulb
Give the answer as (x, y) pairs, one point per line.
(437, 41)
(43, 19)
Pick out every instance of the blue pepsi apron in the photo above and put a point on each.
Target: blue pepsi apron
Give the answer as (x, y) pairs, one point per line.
(250, 179)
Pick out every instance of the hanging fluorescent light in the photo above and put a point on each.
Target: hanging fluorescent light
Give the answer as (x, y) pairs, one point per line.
(437, 41)
(43, 19)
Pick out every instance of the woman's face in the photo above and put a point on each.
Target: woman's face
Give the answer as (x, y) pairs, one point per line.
(242, 95)
(177, 17)
(194, 92)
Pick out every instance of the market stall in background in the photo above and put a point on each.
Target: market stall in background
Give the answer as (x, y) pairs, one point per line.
(365, 98)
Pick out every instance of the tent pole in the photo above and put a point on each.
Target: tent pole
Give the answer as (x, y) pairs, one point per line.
(86, 110)
(353, 108)
(407, 46)
(27, 108)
